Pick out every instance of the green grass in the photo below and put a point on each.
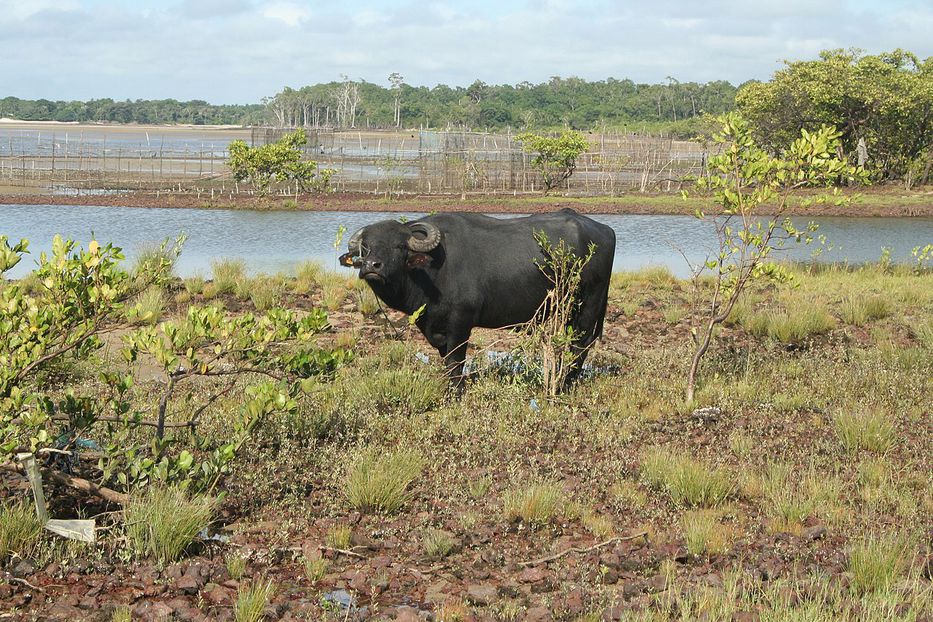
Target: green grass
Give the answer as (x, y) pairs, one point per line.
(315, 568)
(307, 275)
(163, 522)
(226, 274)
(877, 562)
(266, 292)
(333, 290)
(791, 326)
(194, 285)
(380, 482)
(868, 428)
(150, 257)
(251, 601)
(20, 529)
(437, 544)
(236, 565)
(534, 504)
(704, 533)
(338, 537)
(687, 481)
(122, 613)
(148, 307)
(861, 310)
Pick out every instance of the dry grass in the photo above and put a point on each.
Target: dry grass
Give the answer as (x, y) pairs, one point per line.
(534, 504)
(687, 481)
(869, 428)
(380, 482)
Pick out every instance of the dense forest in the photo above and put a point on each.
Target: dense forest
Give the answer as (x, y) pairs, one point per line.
(572, 102)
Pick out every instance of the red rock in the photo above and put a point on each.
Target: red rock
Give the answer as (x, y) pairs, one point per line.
(533, 575)
(218, 595)
(574, 602)
(188, 584)
(407, 614)
(64, 611)
(481, 594)
(156, 589)
(657, 583)
(538, 614)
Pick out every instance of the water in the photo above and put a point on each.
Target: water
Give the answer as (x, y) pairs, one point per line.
(277, 241)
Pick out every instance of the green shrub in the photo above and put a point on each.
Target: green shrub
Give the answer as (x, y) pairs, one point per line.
(251, 601)
(226, 273)
(379, 482)
(876, 563)
(535, 504)
(164, 521)
(686, 481)
(870, 429)
(20, 529)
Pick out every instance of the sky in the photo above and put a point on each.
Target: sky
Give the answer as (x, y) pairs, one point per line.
(238, 51)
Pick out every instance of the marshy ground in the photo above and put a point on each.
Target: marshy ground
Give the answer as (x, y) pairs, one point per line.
(799, 486)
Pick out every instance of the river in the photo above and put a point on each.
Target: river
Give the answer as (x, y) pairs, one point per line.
(276, 241)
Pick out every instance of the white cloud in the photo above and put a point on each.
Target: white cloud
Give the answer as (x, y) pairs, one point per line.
(241, 50)
(288, 13)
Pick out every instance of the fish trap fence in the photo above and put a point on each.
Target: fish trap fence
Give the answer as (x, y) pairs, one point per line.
(422, 161)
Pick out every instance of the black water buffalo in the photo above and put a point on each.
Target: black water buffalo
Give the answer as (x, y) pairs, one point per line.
(470, 270)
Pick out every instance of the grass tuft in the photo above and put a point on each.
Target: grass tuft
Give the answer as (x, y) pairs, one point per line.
(877, 562)
(194, 285)
(164, 521)
(791, 326)
(861, 310)
(251, 601)
(315, 568)
(236, 565)
(437, 544)
(535, 504)
(687, 481)
(149, 306)
(266, 292)
(226, 274)
(869, 429)
(20, 529)
(380, 482)
(705, 534)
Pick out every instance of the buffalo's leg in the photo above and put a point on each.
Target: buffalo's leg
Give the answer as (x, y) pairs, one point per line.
(587, 326)
(455, 358)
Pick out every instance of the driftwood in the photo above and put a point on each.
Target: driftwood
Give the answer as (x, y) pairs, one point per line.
(347, 552)
(74, 482)
(573, 549)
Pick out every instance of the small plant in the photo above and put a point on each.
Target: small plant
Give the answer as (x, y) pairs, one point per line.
(479, 486)
(859, 311)
(333, 290)
(597, 524)
(243, 287)
(628, 497)
(705, 534)
(741, 444)
(366, 301)
(236, 565)
(194, 285)
(687, 481)
(226, 273)
(262, 166)
(788, 501)
(266, 293)
(251, 601)
(869, 429)
(155, 257)
(338, 537)
(164, 521)
(380, 482)
(877, 562)
(791, 327)
(535, 504)
(121, 613)
(148, 307)
(673, 314)
(437, 544)
(315, 568)
(20, 530)
(556, 156)
(307, 276)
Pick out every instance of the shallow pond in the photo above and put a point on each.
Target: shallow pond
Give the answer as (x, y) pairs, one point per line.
(276, 241)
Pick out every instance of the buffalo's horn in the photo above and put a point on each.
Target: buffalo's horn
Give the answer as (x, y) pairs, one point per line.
(432, 237)
(354, 243)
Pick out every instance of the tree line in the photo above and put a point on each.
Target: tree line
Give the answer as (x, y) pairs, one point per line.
(154, 111)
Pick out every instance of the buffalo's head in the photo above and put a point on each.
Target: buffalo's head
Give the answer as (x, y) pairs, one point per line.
(381, 250)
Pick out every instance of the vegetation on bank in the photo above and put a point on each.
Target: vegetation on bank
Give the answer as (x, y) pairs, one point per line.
(377, 461)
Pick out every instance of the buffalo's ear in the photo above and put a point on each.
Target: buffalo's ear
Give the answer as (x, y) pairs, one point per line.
(418, 260)
(348, 259)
